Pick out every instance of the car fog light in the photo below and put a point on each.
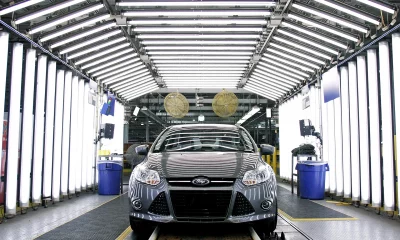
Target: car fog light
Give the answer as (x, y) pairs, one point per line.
(266, 205)
(137, 204)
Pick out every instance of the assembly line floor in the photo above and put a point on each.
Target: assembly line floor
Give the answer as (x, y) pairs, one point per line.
(91, 216)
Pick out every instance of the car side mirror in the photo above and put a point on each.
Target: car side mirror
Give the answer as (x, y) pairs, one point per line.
(142, 149)
(267, 149)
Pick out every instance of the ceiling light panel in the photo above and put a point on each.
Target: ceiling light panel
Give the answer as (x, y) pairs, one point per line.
(129, 78)
(18, 6)
(302, 55)
(280, 70)
(199, 42)
(73, 27)
(266, 91)
(270, 81)
(112, 63)
(94, 63)
(264, 84)
(218, 21)
(198, 13)
(282, 66)
(102, 53)
(130, 62)
(132, 70)
(196, 3)
(209, 61)
(263, 94)
(124, 84)
(90, 41)
(234, 71)
(199, 53)
(291, 63)
(197, 29)
(135, 84)
(143, 93)
(324, 27)
(83, 34)
(119, 70)
(331, 17)
(379, 5)
(202, 78)
(200, 66)
(198, 36)
(308, 41)
(301, 47)
(198, 57)
(95, 48)
(47, 10)
(315, 35)
(272, 74)
(56, 21)
(261, 76)
(293, 58)
(171, 75)
(139, 90)
(204, 48)
(350, 10)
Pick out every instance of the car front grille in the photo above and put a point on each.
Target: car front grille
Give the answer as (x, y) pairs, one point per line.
(159, 206)
(214, 182)
(200, 204)
(242, 206)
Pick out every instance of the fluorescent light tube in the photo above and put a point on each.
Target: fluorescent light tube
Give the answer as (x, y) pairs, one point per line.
(96, 48)
(331, 146)
(87, 124)
(291, 63)
(234, 48)
(58, 128)
(306, 49)
(121, 68)
(39, 129)
(197, 4)
(302, 55)
(197, 29)
(267, 83)
(106, 65)
(47, 10)
(105, 59)
(379, 5)
(249, 114)
(331, 17)
(197, 36)
(261, 93)
(102, 53)
(66, 133)
(18, 6)
(308, 41)
(13, 135)
(49, 129)
(198, 78)
(140, 89)
(234, 53)
(90, 41)
(387, 126)
(209, 61)
(135, 84)
(364, 124)
(126, 84)
(396, 79)
(64, 18)
(374, 125)
(199, 42)
(198, 57)
(74, 136)
(140, 94)
(260, 74)
(324, 27)
(279, 70)
(199, 71)
(293, 58)
(273, 73)
(193, 13)
(80, 135)
(82, 35)
(129, 79)
(354, 133)
(201, 75)
(350, 10)
(73, 27)
(132, 70)
(201, 86)
(27, 128)
(4, 43)
(338, 143)
(107, 72)
(237, 21)
(282, 66)
(265, 91)
(314, 34)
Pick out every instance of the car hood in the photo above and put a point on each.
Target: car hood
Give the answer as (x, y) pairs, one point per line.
(209, 164)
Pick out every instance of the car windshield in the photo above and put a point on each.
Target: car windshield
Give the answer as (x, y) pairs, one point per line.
(198, 140)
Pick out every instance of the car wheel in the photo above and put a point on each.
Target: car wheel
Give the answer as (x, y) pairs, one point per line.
(266, 227)
(141, 229)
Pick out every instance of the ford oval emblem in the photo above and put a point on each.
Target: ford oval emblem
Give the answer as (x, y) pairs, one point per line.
(200, 181)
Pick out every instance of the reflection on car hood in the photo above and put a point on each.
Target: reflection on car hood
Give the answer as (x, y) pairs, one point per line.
(210, 164)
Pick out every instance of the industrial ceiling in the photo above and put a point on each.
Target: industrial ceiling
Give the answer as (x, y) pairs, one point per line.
(264, 47)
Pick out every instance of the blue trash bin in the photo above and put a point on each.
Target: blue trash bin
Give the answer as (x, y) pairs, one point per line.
(109, 177)
(311, 178)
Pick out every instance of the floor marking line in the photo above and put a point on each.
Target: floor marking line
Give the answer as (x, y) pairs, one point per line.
(253, 234)
(80, 215)
(154, 235)
(314, 219)
(124, 234)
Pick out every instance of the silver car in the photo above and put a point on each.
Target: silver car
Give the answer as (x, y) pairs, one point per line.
(203, 173)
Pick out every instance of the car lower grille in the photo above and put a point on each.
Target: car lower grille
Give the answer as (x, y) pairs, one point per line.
(214, 182)
(242, 206)
(159, 206)
(200, 204)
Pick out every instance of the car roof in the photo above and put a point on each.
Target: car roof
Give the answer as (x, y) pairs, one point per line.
(205, 126)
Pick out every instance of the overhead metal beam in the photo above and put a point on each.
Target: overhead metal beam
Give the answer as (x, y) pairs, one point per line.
(246, 101)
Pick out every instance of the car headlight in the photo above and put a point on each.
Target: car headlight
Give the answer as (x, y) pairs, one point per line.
(145, 175)
(256, 176)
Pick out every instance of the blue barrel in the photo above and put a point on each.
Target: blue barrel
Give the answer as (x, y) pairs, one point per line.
(311, 178)
(110, 173)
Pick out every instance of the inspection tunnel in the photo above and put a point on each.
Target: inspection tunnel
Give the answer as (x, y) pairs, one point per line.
(199, 119)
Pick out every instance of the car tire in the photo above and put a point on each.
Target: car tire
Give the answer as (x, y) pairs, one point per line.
(266, 227)
(141, 229)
